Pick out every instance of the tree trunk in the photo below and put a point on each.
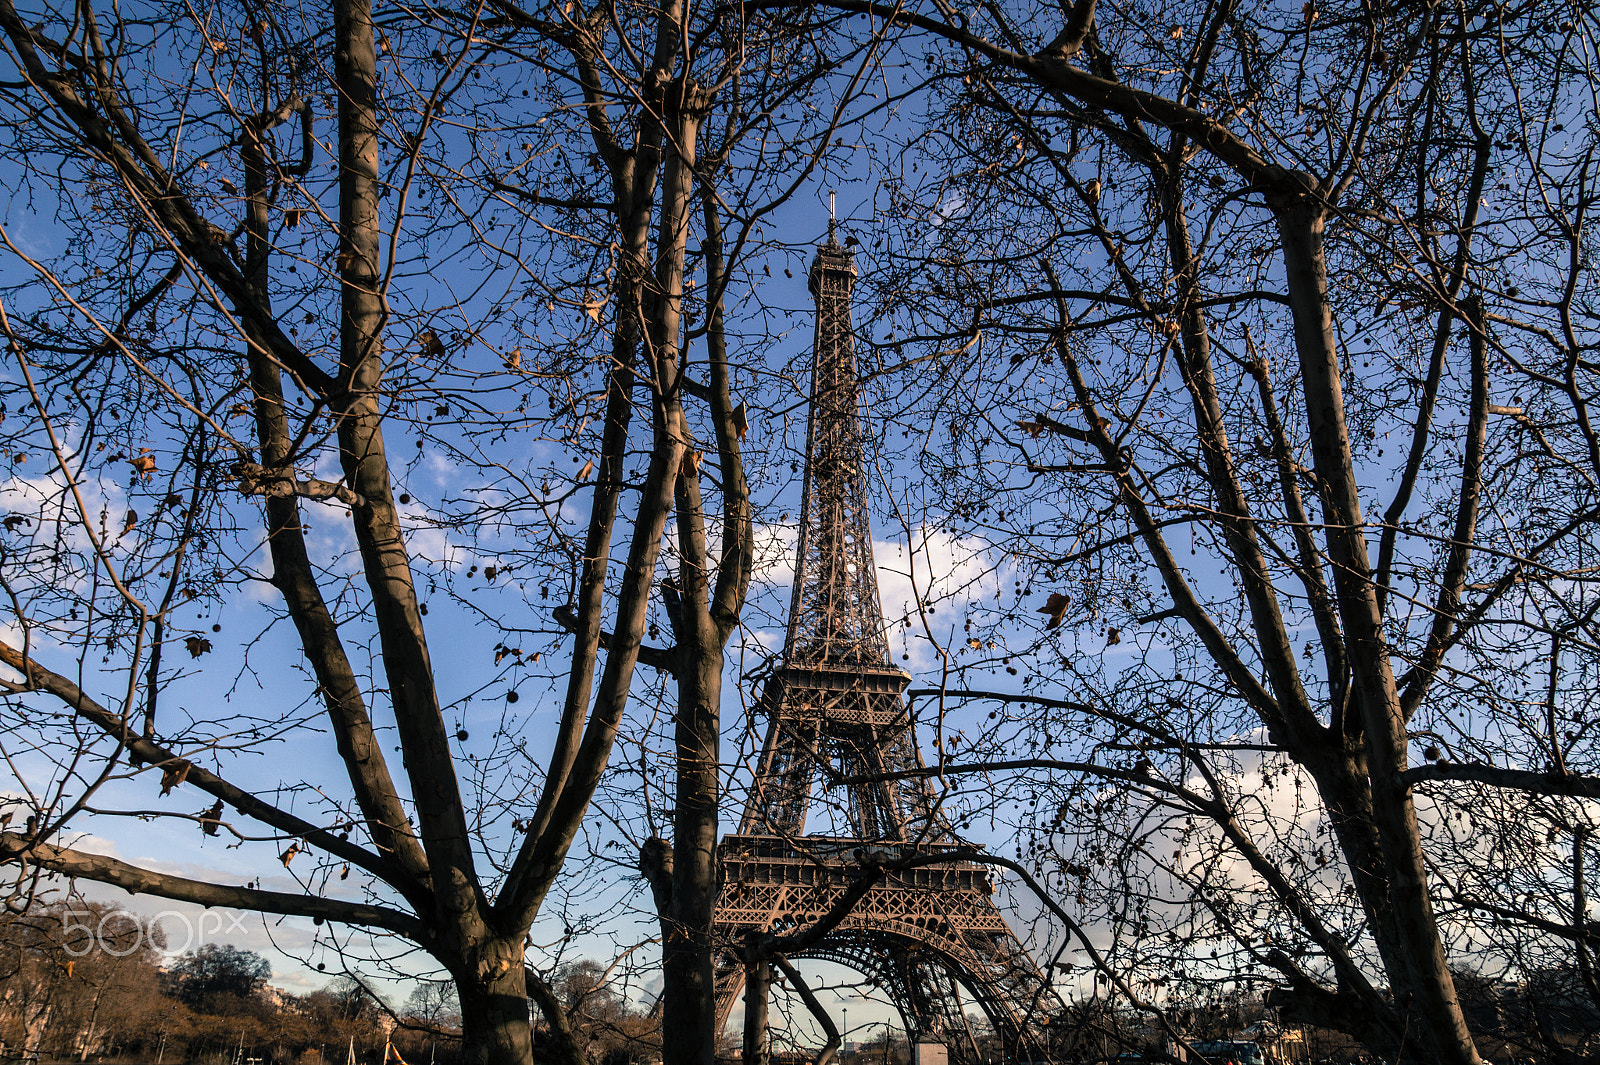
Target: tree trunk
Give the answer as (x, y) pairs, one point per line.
(757, 981)
(689, 997)
(1429, 993)
(496, 1028)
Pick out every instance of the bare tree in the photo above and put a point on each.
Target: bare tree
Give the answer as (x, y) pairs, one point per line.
(1232, 280)
(230, 322)
(433, 1004)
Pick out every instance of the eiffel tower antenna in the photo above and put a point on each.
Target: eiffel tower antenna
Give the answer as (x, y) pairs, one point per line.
(836, 701)
(832, 219)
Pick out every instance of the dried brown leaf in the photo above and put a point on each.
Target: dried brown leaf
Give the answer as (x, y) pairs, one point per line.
(173, 775)
(1056, 607)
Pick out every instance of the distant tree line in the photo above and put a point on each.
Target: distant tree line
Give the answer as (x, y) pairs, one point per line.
(1546, 1017)
(87, 981)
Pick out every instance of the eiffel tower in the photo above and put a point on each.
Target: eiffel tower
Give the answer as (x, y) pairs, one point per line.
(931, 938)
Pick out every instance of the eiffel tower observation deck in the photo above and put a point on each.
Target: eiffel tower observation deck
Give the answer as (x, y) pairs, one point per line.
(930, 937)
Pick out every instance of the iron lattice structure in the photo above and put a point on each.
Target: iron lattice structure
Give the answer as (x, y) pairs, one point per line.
(931, 937)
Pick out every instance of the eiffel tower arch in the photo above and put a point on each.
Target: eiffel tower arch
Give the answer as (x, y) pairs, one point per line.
(931, 938)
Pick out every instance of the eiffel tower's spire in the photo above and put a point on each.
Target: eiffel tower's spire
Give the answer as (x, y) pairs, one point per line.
(835, 617)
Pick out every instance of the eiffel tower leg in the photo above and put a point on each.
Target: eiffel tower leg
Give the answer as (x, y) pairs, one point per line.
(730, 985)
(961, 1016)
(782, 789)
(922, 995)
